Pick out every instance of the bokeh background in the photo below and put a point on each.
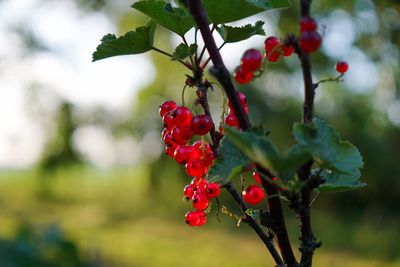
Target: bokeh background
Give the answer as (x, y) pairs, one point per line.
(83, 178)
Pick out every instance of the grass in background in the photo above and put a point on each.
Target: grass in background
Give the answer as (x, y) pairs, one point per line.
(113, 214)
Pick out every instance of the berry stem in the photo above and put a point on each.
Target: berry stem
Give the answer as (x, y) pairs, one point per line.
(253, 224)
(187, 65)
(335, 79)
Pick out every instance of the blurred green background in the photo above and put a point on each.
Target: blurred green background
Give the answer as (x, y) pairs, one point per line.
(83, 179)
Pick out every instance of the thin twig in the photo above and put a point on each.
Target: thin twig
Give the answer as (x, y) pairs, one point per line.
(187, 65)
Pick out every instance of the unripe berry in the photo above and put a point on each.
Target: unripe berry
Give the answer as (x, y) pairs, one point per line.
(200, 201)
(201, 124)
(243, 76)
(251, 60)
(184, 154)
(166, 106)
(212, 190)
(182, 134)
(342, 66)
(308, 24)
(182, 116)
(253, 194)
(310, 41)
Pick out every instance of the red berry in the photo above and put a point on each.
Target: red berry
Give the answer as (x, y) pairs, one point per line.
(212, 190)
(308, 24)
(202, 217)
(287, 50)
(165, 132)
(196, 168)
(257, 177)
(342, 66)
(273, 56)
(199, 184)
(182, 116)
(168, 140)
(231, 120)
(189, 191)
(243, 76)
(195, 218)
(170, 150)
(182, 134)
(253, 194)
(168, 120)
(166, 106)
(310, 41)
(200, 201)
(201, 124)
(184, 154)
(251, 60)
(270, 43)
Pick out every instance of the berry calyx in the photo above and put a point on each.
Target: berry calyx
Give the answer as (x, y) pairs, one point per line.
(310, 41)
(195, 218)
(251, 60)
(308, 24)
(212, 190)
(201, 124)
(253, 194)
(166, 106)
(243, 76)
(342, 66)
(182, 116)
(200, 201)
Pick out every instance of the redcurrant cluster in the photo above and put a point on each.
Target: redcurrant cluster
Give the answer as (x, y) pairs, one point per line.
(180, 126)
(252, 59)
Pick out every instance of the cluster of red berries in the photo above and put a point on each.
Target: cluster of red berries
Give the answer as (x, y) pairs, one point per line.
(310, 39)
(200, 192)
(180, 126)
(252, 58)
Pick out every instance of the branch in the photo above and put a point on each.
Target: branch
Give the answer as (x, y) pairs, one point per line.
(221, 73)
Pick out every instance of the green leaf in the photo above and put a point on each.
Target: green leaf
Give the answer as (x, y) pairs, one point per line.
(340, 160)
(260, 149)
(183, 51)
(235, 34)
(336, 182)
(175, 19)
(133, 42)
(224, 11)
(230, 163)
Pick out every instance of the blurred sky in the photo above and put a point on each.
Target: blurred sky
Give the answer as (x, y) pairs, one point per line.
(62, 69)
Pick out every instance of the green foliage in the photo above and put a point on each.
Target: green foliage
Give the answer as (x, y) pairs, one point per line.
(261, 150)
(133, 42)
(224, 11)
(183, 51)
(230, 163)
(173, 18)
(339, 160)
(236, 34)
